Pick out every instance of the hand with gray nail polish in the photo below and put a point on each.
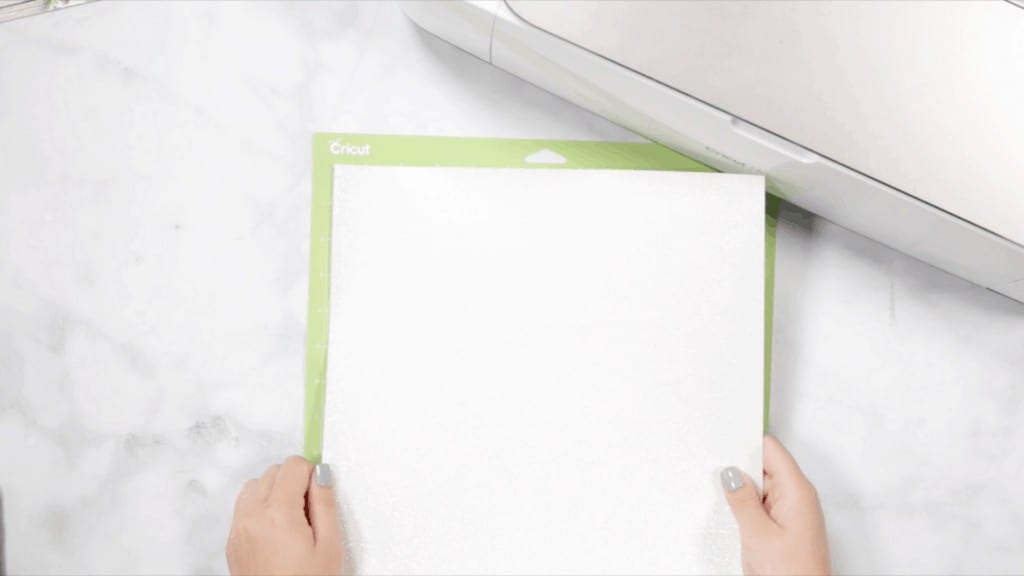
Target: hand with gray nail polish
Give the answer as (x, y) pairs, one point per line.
(286, 522)
(783, 530)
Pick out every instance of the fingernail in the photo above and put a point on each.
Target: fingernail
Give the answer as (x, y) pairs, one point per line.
(322, 474)
(732, 479)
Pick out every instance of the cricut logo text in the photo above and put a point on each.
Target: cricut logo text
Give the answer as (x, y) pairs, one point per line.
(341, 149)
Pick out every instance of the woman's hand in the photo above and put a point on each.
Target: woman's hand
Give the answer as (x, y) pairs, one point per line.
(783, 531)
(286, 523)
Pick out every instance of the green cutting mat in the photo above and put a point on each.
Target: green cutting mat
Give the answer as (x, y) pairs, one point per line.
(331, 149)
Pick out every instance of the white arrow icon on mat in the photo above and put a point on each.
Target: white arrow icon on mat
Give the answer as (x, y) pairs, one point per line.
(545, 156)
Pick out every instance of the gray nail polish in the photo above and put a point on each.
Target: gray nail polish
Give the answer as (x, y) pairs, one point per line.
(322, 474)
(732, 479)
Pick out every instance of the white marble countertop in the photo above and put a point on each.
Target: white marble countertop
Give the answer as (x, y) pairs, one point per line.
(154, 208)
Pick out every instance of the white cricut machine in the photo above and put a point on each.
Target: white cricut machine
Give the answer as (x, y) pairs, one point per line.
(903, 121)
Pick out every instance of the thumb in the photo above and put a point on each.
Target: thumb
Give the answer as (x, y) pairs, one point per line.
(323, 514)
(745, 502)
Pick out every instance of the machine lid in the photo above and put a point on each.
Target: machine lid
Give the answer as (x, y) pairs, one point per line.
(927, 97)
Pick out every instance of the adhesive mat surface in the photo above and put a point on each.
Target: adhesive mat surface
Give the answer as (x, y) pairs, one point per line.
(557, 361)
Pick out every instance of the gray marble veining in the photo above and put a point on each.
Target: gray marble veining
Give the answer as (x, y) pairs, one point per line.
(154, 199)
